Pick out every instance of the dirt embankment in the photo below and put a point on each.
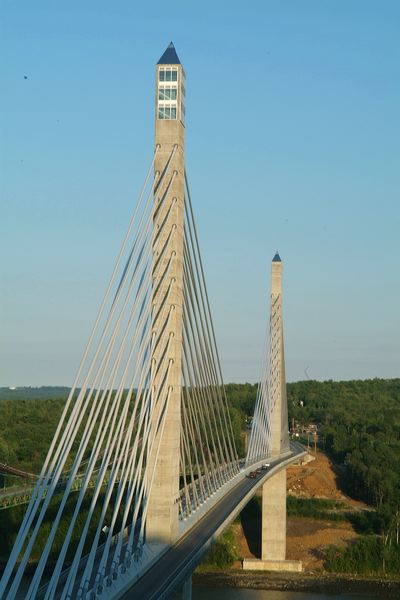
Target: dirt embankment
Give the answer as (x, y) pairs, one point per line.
(318, 479)
(306, 540)
(306, 537)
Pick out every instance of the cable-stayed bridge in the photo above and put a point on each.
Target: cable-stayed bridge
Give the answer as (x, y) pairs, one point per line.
(146, 429)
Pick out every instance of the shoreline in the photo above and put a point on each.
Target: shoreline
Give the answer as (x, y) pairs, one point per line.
(331, 583)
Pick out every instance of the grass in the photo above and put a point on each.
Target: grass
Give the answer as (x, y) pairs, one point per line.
(222, 554)
(315, 508)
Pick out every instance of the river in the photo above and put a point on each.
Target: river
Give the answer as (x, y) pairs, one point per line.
(206, 593)
(232, 593)
(202, 593)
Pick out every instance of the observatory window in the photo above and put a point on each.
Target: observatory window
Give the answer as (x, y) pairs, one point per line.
(167, 112)
(168, 105)
(168, 74)
(167, 93)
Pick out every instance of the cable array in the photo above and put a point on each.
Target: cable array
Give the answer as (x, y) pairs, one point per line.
(271, 391)
(109, 435)
(208, 454)
(104, 435)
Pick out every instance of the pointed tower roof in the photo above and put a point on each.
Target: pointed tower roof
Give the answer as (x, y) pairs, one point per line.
(170, 56)
(276, 258)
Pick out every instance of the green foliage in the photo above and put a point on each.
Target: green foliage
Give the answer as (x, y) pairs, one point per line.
(222, 553)
(316, 508)
(367, 555)
(11, 519)
(360, 427)
(238, 425)
(367, 521)
(359, 423)
(26, 430)
(242, 397)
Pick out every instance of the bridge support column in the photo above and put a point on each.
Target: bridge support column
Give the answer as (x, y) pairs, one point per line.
(187, 589)
(273, 529)
(273, 525)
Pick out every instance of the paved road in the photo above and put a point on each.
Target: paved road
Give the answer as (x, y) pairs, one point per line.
(178, 562)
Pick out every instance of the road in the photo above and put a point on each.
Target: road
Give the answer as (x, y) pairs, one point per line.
(173, 567)
(178, 562)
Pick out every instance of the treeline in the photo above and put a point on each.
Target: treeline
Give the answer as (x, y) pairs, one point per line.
(359, 424)
(369, 555)
(27, 427)
(33, 393)
(28, 422)
(359, 427)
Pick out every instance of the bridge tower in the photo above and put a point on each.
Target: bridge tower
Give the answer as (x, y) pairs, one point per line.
(279, 422)
(162, 516)
(273, 528)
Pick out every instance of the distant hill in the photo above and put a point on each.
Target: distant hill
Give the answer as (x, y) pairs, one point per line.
(33, 393)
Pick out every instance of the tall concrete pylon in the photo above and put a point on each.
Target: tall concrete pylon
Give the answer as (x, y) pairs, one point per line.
(279, 423)
(273, 527)
(162, 516)
(273, 536)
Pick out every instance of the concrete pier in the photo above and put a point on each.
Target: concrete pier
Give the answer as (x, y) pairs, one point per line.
(187, 589)
(273, 529)
(273, 534)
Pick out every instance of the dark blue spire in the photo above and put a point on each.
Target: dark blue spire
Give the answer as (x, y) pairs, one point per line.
(169, 57)
(276, 258)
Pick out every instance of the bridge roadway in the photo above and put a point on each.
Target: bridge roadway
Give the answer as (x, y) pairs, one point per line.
(176, 565)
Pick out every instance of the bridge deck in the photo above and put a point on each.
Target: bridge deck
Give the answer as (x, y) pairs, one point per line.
(175, 564)
(178, 562)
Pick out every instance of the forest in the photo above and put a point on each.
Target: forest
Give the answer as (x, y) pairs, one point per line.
(358, 427)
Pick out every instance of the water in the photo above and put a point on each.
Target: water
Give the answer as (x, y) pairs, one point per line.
(231, 593)
(201, 593)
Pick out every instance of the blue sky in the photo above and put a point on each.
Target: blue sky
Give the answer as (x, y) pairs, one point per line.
(293, 143)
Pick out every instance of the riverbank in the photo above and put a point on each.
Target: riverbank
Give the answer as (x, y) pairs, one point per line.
(308, 534)
(300, 582)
